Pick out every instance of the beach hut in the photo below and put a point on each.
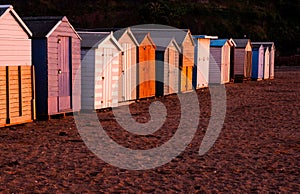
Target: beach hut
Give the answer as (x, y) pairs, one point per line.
(16, 70)
(266, 63)
(146, 65)
(100, 55)
(167, 65)
(219, 62)
(127, 66)
(271, 49)
(56, 57)
(202, 52)
(187, 49)
(257, 61)
(242, 58)
(185, 40)
(272, 58)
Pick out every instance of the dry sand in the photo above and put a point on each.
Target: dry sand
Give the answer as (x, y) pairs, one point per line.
(258, 149)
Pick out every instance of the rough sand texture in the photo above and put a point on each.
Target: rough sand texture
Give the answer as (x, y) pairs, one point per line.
(258, 149)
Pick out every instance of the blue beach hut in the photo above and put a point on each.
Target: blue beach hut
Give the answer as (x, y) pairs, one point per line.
(257, 61)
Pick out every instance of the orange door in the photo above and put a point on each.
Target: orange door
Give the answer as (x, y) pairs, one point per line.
(146, 72)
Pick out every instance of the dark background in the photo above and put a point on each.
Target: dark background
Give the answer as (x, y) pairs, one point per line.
(267, 20)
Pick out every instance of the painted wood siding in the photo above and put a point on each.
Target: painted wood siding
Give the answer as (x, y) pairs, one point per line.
(202, 61)
(16, 95)
(15, 45)
(63, 30)
(187, 64)
(88, 79)
(214, 65)
(146, 69)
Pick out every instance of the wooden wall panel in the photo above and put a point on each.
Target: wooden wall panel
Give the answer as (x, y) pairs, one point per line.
(16, 95)
(10, 28)
(15, 45)
(88, 79)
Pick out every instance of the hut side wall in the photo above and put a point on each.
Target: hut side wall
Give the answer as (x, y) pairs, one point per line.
(15, 46)
(160, 72)
(146, 69)
(39, 60)
(168, 57)
(63, 30)
(88, 79)
(127, 69)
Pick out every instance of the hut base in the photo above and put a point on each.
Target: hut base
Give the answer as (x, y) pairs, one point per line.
(238, 78)
(57, 115)
(256, 79)
(20, 122)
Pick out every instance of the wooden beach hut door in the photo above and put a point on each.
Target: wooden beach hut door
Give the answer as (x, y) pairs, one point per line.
(126, 73)
(64, 85)
(173, 72)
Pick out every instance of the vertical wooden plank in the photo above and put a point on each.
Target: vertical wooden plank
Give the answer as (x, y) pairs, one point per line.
(70, 71)
(7, 96)
(138, 72)
(20, 90)
(33, 103)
